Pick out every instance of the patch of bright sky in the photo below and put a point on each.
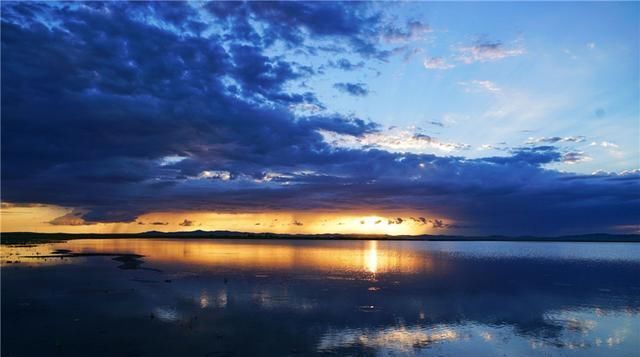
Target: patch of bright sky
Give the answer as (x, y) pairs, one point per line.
(578, 75)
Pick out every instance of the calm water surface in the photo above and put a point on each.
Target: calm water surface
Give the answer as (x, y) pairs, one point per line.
(250, 298)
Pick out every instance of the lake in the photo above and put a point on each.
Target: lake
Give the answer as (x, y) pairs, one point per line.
(163, 297)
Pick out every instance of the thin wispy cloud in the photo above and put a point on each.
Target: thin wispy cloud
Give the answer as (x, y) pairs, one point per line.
(437, 63)
(555, 139)
(612, 149)
(605, 144)
(575, 157)
(480, 85)
(486, 51)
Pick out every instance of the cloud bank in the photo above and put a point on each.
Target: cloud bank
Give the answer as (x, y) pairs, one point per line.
(117, 110)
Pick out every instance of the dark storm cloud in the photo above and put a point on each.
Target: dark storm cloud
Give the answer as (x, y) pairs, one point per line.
(537, 155)
(95, 97)
(339, 124)
(355, 89)
(292, 23)
(259, 74)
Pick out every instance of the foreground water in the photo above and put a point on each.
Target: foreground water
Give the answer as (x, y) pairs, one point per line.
(251, 298)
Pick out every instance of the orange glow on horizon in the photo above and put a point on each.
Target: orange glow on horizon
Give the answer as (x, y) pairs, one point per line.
(39, 218)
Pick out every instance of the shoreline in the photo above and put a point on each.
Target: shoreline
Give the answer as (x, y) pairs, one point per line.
(13, 238)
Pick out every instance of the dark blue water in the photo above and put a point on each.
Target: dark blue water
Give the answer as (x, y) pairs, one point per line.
(250, 298)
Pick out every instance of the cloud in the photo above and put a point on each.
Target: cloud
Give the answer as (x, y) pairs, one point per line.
(126, 86)
(306, 108)
(437, 223)
(486, 51)
(612, 148)
(575, 157)
(555, 139)
(393, 140)
(70, 219)
(346, 65)
(419, 220)
(499, 147)
(215, 174)
(605, 144)
(258, 74)
(159, 223)
(437, 63)
(480, 51)
(481, 85)
(410, 53)
(414, 30)
(186, 223)
(355, 89)
(294, 24)
(9, 205)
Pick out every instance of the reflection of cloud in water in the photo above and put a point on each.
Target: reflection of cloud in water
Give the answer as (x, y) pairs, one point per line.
(586, 328)
(205, 300)
(166, 314)
(221, 299)
(487, 336)
(318, 297)
(486, 340)
(401, 339)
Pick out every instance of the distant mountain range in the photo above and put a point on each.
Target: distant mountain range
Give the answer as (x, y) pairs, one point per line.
(28, 237)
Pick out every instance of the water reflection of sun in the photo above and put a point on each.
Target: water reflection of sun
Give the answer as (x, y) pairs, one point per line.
(371, 257)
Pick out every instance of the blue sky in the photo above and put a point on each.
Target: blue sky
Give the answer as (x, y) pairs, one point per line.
(479, 118)
(574, 73)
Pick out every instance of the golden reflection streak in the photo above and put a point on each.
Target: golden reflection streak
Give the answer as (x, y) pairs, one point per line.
(362, 256)
(371, 258)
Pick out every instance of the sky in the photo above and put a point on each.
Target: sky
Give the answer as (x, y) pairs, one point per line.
(321, 117)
